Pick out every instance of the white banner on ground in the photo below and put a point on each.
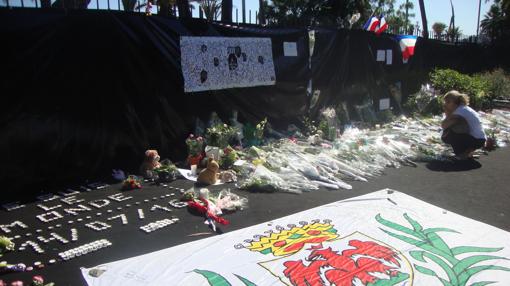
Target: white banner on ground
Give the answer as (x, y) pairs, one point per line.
(382, 238)
(212, 63)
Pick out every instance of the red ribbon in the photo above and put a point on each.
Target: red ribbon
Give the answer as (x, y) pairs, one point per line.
(202, 208)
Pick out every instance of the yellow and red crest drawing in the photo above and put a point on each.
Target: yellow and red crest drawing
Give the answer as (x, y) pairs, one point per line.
(315, 254)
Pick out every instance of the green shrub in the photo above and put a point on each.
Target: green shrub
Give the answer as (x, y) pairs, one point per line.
(385, 116)
(308, 125)
(324, 127)
(476, 87)
(498, 84)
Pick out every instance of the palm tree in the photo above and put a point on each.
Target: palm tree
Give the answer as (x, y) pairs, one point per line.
(226, 11)
(454, 34)
(362, 7)
(211, 8)
(438, 28)
(496, 24)
(424, 19)
(493, 24)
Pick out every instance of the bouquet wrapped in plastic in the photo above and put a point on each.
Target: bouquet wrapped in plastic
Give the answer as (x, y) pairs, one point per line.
(294, 165)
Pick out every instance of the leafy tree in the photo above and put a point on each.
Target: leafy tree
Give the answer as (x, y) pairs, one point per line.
(313, 12)
(454, 34)
(211, 8)
(399, 20)
(438, 28)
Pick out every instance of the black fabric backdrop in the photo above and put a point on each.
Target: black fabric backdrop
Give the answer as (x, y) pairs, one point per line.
(344, 66)
(85, 91)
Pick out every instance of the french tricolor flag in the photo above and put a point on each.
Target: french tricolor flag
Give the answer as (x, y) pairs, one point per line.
(382, 26)
(407, 44)
(371, 24)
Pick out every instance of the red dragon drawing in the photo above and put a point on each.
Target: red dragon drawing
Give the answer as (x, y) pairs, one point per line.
(326, 265)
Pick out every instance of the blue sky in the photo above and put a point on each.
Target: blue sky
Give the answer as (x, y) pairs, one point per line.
(466, 11)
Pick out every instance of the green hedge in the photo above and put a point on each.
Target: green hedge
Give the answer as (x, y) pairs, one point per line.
(498, 84)
(475, 86)
(481, 88)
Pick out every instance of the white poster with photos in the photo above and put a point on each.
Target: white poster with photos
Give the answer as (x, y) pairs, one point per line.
(212, 63)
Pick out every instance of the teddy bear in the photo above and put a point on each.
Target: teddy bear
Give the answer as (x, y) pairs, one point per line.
(150, 163)
(209, 175)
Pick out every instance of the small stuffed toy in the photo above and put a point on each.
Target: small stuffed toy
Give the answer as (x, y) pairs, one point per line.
(150, 163)
(209, 175)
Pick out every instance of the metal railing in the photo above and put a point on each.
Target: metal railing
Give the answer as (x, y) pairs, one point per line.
(118, 5)
(237, 16)
(444, 36)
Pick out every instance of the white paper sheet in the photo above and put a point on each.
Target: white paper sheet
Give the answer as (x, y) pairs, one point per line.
(384, 104)
(367, 239)
(381, 55)
(290, 49)
(389, 57)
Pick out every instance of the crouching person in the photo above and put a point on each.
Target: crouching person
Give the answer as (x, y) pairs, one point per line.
(461, 127)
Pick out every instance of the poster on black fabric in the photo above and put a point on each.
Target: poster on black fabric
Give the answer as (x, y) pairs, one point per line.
(212, 63)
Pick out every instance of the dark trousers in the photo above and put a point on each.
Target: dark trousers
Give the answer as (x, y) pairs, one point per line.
(461, 142)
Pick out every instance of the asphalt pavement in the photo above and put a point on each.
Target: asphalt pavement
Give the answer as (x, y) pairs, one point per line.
(479, 190)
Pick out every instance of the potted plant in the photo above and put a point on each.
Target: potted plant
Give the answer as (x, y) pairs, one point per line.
(195, 149)
(229, 158)
(167, 171)
(219, 135)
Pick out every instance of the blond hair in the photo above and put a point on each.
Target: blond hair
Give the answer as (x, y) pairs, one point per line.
(457, 97)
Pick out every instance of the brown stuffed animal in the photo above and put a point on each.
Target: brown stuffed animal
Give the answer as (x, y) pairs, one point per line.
(209, 175)
(150, 163)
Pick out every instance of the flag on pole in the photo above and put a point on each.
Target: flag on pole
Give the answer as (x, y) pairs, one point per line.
(382, 25)
(407, 43)
(371, 24)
